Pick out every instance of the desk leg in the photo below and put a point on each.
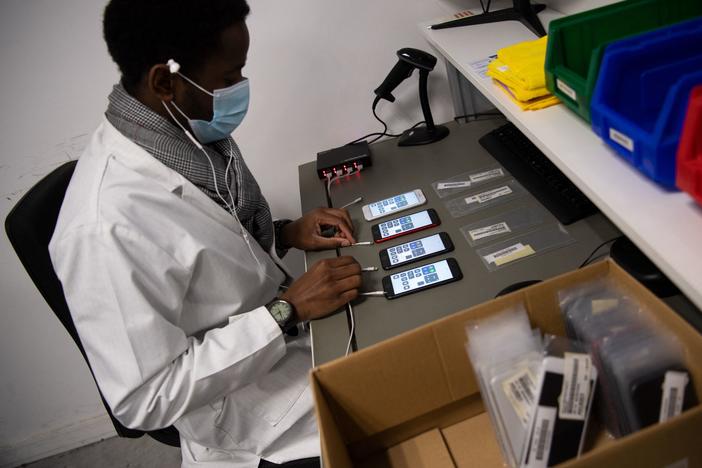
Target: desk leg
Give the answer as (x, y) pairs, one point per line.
(466, 98)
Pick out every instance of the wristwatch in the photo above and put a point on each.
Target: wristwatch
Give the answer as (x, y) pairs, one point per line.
(282, 312)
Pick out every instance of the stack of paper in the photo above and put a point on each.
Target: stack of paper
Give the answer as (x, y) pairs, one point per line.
(519, 71)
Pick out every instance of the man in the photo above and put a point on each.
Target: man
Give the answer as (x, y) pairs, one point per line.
(168, 255)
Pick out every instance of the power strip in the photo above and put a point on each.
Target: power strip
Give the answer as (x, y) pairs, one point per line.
(343, 160)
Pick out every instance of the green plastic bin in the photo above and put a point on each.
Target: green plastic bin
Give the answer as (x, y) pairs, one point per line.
(576, 43)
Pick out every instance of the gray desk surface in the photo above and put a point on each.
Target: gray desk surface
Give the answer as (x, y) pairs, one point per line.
(396, 170)
(329, 335)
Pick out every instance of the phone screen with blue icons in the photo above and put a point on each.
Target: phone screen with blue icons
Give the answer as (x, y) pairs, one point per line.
(405, 224)
(414, 250)
(421, 277)
(389, 205)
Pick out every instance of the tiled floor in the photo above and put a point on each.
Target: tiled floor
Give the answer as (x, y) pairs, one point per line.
(116, 453)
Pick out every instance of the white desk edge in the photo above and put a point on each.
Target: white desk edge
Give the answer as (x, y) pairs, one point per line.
(666, 226)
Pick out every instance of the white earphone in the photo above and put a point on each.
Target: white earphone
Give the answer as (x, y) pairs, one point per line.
(173, 66)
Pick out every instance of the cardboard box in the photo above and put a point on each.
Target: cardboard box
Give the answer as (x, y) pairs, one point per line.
(413, 401)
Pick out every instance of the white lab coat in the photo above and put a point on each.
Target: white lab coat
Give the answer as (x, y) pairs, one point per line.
(168, 302)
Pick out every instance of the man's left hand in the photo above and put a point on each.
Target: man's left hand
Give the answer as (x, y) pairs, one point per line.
(306, 232)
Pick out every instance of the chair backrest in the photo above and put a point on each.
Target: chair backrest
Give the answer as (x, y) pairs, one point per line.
(29, 227)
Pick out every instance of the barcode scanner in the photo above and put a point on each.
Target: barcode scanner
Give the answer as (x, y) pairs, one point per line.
(408, 60)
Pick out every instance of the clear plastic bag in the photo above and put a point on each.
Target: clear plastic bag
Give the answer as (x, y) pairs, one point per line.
(634, 358)
(509, 223)
(484, 198)
(506, 354)
(527, 245)
(467, 180)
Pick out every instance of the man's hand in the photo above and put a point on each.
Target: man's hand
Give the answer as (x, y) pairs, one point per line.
(328, 285)
(306, 232)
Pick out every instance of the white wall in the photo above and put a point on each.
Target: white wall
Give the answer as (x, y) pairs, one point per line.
(313, 65)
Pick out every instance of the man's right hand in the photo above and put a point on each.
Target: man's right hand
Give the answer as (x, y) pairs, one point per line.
(328, 285)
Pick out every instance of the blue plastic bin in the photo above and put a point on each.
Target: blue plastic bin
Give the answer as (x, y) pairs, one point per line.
(639, 102)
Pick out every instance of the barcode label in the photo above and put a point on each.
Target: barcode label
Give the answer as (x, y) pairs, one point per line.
(487, 231)
(622, 139)
(520, 390)
(503, 252)
(489, 195)
(674, 385)
(487, 175)
(567, 90)
(450, 185)
(575, 391)
(542, 434)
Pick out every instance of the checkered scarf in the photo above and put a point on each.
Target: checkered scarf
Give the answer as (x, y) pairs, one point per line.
(168, 144)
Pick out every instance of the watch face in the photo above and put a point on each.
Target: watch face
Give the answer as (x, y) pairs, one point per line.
(281, 311)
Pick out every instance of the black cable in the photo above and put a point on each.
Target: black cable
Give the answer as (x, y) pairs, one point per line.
(590, 257)
(379, 135)
(364, 137)
(385, 126)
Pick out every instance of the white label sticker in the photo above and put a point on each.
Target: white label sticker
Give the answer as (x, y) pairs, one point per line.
(673, 394)
(623, 140)
(541, 437)
(450, 185)
(487, 231)
(567, 90)
(520, 390)
(489, 195)
(575, 392)
(487, 175)
(503, 252)
(503, 68)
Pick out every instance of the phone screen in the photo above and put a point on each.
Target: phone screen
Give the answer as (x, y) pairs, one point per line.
(406, 223)
(383, 207)
(415, 249)
(421, 277)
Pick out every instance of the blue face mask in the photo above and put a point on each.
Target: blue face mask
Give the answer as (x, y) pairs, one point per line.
(229, 106)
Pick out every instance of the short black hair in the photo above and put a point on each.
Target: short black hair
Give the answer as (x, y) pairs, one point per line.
(143, 33)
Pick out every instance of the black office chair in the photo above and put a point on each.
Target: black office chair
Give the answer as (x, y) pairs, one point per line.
(29, 227)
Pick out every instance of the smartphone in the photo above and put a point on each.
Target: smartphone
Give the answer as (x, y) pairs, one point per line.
(395, 204)
(409, 252)
(405, 225)
(421, 278)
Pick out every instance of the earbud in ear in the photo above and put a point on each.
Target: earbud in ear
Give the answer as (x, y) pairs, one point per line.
(173, 66)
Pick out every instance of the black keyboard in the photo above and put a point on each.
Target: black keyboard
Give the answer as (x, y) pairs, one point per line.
(537, 174)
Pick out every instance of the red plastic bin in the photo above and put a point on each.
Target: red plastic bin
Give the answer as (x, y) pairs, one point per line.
(689, 158)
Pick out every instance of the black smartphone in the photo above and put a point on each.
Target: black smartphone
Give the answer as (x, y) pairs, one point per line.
(405, 225)
(409, 252)
(421, 278)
